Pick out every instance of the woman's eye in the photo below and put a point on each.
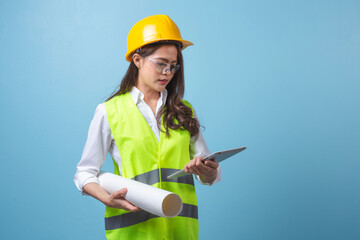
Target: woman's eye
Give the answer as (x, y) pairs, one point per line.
(162, 64)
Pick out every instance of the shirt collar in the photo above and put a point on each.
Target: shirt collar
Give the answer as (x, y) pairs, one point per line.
(138, 96)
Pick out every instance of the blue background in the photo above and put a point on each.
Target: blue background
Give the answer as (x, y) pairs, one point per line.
(280, 77)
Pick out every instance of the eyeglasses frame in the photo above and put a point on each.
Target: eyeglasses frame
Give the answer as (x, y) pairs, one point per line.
(170, 67)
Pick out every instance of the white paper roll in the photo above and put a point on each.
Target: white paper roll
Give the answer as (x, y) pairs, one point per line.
(151, 199)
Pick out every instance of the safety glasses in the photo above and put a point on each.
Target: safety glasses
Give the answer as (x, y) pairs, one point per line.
(164, 68)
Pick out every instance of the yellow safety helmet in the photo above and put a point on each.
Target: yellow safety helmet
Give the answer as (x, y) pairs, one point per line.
(153, 29)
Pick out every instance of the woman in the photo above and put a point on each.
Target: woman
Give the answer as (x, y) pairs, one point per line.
(150, 133)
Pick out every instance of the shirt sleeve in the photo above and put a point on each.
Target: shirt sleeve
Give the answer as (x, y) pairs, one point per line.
(96, 148)
(198, 148)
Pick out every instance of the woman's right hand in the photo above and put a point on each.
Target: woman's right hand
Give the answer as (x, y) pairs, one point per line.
(117, 200)
(114, 200)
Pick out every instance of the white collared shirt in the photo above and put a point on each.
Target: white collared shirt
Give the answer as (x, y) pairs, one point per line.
(100, 141)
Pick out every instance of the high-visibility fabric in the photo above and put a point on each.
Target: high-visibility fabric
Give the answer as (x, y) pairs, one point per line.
(150, 161)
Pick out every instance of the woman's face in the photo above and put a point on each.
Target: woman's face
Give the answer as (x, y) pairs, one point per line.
(150, 78)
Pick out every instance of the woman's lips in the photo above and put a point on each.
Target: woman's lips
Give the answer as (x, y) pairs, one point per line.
(163, 81)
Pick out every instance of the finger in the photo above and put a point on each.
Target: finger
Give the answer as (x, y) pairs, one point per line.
(212, 164)
(120, 194)
(189, 168)
(206, 170)
(198, 166)
(196, 160)
(129, 206)
(195, 171)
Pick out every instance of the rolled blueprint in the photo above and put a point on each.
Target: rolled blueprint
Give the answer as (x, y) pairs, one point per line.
(151, 199)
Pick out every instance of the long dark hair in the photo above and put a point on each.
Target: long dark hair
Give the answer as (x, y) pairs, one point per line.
(174, 108)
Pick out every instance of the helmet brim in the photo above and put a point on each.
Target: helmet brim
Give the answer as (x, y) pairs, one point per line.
(184, 43)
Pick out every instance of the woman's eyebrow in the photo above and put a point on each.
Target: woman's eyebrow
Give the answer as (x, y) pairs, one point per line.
(165, 60)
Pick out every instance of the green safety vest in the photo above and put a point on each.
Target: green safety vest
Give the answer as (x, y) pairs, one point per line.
(147, 160)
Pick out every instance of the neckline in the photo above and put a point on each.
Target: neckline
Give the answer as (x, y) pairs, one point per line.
(136, 109)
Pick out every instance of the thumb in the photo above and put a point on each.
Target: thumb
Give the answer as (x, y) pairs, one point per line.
(120, 193)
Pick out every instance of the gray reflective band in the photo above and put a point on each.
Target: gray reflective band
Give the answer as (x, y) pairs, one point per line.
(149, 178)
(187, 179)
(152, 177)
(189, 210)
(127, 219)
(132, 218)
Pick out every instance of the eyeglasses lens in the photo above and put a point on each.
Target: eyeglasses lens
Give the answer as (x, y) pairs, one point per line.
(166, 68)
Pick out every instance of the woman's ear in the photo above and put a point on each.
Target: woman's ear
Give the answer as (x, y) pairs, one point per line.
(137, 60)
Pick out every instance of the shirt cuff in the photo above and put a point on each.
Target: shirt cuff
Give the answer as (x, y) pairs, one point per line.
(81, 179)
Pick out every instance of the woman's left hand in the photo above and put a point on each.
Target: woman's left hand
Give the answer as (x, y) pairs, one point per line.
(207, 171)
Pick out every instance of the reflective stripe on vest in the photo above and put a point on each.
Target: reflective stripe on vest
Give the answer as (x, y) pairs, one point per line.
(153, 177)
(149, 160)
(131, 218)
